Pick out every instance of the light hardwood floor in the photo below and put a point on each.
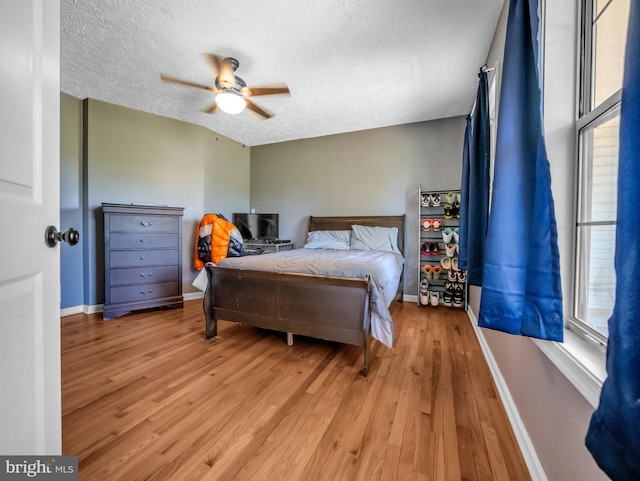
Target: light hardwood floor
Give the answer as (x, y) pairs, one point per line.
(146, 397)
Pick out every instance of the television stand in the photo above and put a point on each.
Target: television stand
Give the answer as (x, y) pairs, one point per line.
(263, 246)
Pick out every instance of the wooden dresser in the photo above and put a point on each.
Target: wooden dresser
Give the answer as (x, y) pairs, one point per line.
(142, 257)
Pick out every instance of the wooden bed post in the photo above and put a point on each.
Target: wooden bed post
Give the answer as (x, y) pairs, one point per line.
(367, 353)
(211, 328)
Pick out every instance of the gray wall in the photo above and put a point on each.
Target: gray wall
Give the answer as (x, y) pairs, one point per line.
(372, 172)
(554, 413)
(135, 157)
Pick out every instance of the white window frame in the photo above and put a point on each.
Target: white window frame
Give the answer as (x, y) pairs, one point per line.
(588, 117)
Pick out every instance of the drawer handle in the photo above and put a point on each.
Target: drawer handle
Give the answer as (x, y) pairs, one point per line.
(141, 257)
(147, 276)
(148, 292)
(141, 240)
(146, 224)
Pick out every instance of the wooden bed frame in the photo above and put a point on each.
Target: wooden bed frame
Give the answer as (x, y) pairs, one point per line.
(324, 307)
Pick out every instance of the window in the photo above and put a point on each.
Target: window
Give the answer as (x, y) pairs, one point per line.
(603, 37)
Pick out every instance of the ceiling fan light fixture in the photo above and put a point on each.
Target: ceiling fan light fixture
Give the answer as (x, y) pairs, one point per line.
(230, 102)
(232, 92)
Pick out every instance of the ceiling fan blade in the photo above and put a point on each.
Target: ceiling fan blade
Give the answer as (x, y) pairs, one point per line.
(214, 62)
(211, 109)
(266, 90)
(254, 108)
(173, 80)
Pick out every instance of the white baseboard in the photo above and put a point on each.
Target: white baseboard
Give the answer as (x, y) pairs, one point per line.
(70, 311)
(410, 298)
(85, 309)
(93, 309)
(188, 296)
(82, 309)
(522, 436)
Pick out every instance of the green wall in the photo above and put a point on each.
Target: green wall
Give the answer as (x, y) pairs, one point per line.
(130, 156)
(71, 257)
(119, 155)
(371, 172)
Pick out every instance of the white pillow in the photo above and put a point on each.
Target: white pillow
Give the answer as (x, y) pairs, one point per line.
(374, 238)
(328, 239)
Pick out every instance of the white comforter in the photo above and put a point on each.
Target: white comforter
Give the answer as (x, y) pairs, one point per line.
(384, 268)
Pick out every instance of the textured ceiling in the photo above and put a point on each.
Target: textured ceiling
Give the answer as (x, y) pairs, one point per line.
(350, 64)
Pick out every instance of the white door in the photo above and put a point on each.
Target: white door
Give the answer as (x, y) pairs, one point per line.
(30, 412)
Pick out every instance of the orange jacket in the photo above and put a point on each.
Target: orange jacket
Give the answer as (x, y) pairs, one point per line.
(212, 240)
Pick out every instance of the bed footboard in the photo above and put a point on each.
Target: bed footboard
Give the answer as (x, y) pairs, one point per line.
(332, 308)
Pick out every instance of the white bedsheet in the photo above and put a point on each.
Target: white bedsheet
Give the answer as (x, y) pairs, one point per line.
(384, 268)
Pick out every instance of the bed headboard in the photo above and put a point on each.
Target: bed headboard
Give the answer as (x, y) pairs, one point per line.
(344, 223)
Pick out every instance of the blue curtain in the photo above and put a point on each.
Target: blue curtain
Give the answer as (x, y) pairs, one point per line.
(614, 433)
(474, 196)
(521, 290)
(463, 244)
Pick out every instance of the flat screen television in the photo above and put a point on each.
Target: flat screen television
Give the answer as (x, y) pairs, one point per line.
(256, 226)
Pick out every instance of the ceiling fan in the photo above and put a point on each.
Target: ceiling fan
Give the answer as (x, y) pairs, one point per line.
(232, 92)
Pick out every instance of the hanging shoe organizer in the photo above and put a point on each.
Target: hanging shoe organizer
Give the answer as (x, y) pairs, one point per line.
(440, 281)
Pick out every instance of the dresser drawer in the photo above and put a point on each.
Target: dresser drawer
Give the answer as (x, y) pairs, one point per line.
(139, 275)
(144, 292)
(144, 223)
(160, 257)
(144, 241)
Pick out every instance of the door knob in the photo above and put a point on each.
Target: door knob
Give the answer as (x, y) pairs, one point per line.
(51, 236)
